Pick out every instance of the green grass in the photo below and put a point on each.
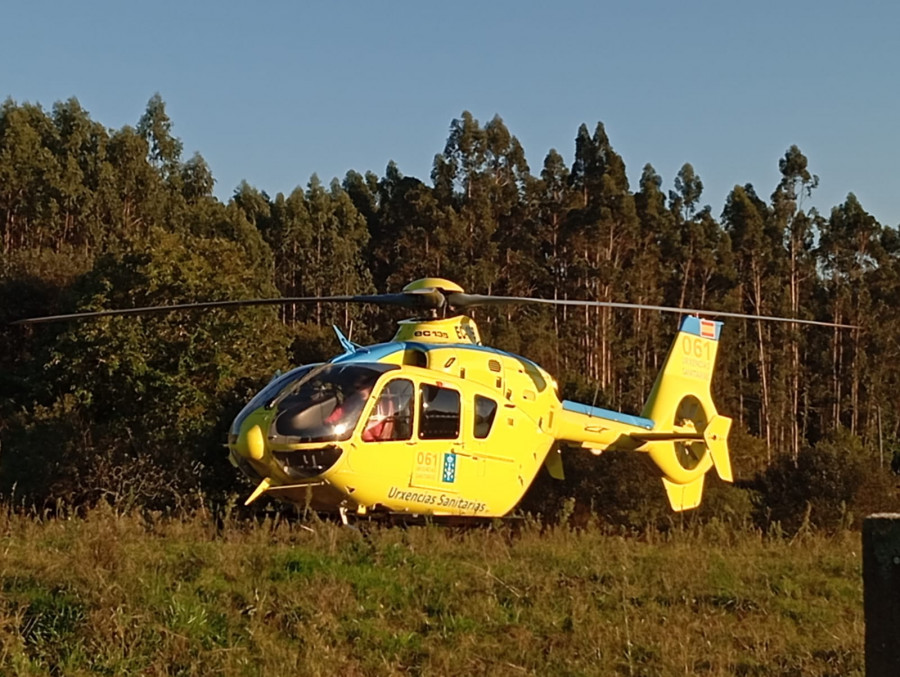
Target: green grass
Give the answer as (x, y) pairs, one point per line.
(115, 595)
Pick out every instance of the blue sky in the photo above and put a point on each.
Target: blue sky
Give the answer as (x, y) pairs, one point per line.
(272, 92)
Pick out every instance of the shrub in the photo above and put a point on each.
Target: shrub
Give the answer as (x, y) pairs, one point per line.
(819, 488)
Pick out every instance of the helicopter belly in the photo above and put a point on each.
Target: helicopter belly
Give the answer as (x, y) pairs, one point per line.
(318, 496)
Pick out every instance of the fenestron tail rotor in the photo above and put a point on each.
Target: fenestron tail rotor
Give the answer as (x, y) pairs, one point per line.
(427, 294)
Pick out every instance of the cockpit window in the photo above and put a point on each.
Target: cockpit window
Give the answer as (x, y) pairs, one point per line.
(439, 413)
(268, 393)
(326, 405)
(391, 417)
(485, 411)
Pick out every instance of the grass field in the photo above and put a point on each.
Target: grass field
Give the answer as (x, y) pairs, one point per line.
(128, 595)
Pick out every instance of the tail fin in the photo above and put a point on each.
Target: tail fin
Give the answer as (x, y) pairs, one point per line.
(689, 436)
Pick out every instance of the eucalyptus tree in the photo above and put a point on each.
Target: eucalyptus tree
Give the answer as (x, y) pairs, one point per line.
(196, 179)
(155, 127)
(28, 171)
(418, 235)
(602, 238)
(882, 347)
(553, 201)
(481, 174)
(652, 272)
(696, 242)
(139, 186)
(850, 251)
(289, 233)
(798, 229)
(334, 258)
(756, 249)
(362, 189)
(535, 250)
(80, 149)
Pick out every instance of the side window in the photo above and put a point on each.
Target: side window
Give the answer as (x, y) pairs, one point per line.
(439, 413)
(391, 417)
(485, 411)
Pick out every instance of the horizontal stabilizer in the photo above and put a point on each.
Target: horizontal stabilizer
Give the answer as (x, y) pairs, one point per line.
(684, 496)
(663, 436)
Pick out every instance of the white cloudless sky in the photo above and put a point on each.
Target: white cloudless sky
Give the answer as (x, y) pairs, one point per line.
(272, 92)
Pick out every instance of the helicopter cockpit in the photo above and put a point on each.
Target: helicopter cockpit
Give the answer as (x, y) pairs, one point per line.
(325, 404)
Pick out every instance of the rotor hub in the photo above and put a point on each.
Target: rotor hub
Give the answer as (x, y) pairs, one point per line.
(439, 283)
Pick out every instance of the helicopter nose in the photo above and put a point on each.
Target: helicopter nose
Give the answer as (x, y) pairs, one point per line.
(251, 443)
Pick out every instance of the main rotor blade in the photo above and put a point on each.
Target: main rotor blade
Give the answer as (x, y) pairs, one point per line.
(421, 299)
(424, 299)
(462, 301)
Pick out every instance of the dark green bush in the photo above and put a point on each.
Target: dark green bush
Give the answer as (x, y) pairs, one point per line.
(820, 489)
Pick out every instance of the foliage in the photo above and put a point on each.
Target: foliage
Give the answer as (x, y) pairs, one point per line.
(825, 487)
(138, 402)
(135, 410)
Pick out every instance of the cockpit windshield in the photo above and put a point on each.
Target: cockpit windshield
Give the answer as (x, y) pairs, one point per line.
(326, 404)
(268, 393)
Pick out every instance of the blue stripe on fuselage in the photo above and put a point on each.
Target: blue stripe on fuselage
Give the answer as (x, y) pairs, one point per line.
(379, 351)
(619, 417)
(374, 353)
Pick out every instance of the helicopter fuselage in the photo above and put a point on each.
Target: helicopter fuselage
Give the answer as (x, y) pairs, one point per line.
(435, 423)
(470, 427)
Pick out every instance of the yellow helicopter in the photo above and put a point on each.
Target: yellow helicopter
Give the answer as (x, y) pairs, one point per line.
(435, 423)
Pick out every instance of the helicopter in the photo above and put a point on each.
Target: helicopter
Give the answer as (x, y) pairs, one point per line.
(435, 423)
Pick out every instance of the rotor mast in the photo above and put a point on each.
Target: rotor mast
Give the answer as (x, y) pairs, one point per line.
(435, 329)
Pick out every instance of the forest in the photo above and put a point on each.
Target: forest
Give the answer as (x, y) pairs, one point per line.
(133, 411)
